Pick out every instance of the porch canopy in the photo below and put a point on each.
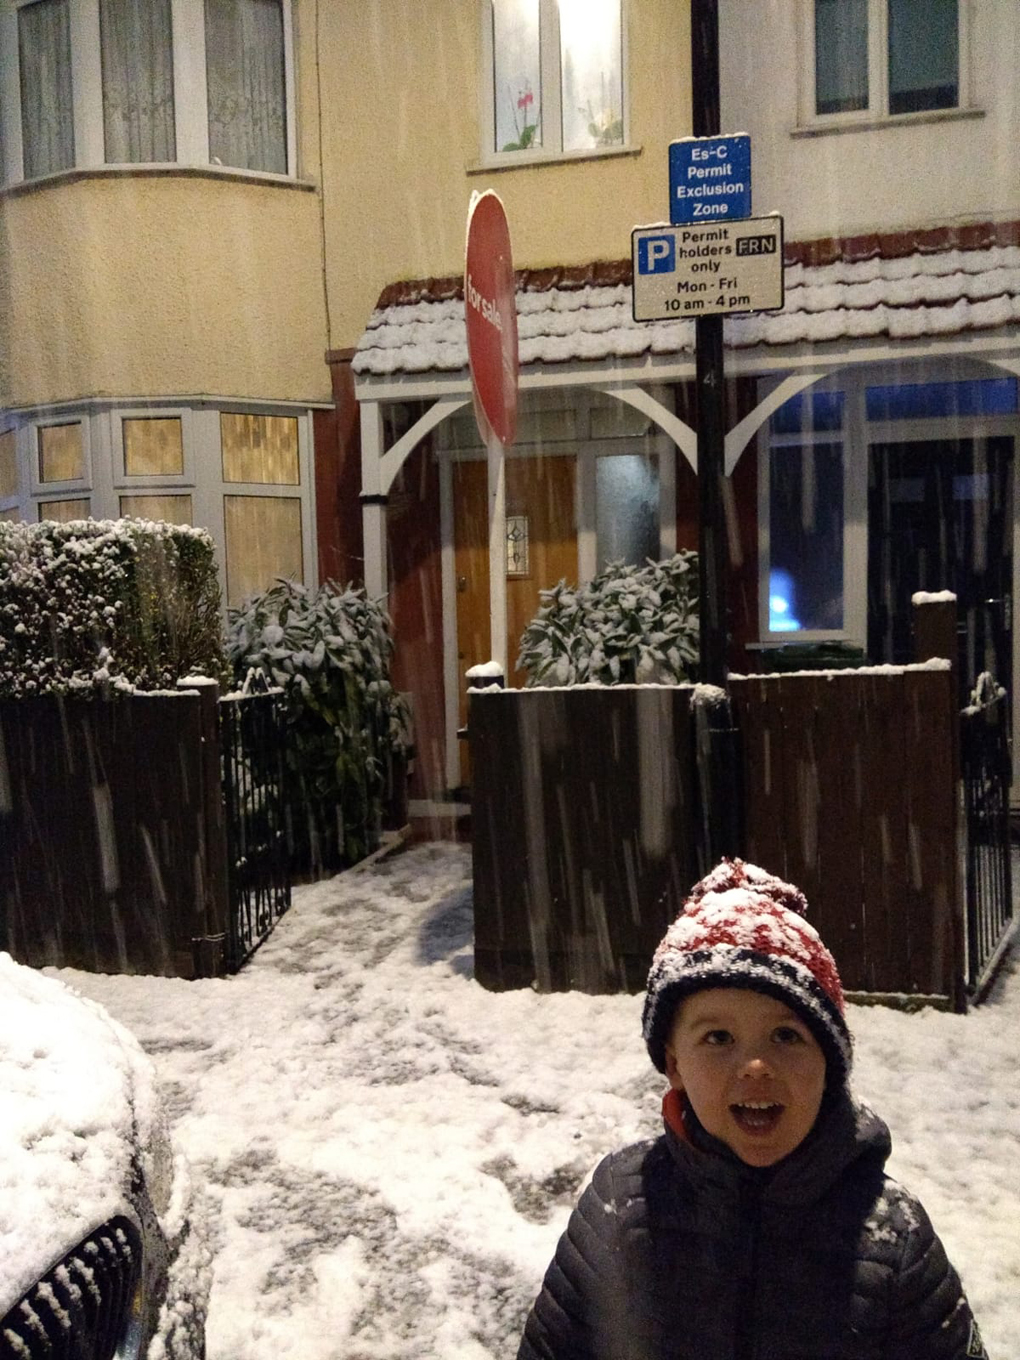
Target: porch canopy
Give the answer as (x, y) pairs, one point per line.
(920, 294)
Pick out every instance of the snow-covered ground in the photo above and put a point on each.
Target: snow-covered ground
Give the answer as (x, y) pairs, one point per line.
(389, 1153)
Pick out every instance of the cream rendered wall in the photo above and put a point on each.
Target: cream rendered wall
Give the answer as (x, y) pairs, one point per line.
(905, 173)
(118, 285)
(400, 100)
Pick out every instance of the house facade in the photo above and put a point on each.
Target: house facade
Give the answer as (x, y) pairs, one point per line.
(231, 249)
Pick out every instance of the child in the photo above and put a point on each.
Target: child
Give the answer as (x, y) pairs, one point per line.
(761, 1226)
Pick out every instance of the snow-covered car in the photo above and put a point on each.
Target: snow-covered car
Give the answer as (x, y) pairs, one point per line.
(99, 1257)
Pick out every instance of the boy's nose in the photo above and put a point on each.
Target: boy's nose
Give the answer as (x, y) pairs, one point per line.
(755, 1065)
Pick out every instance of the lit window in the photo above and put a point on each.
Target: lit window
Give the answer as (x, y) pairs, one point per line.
(153, 446)
(138, 80)
(89, 83)
(517, 547)
(556, 74)
(263, 541)
(803, 573)
(169, 509)
(883, 57)
(246, 84)
(259, 449)
(44, 55)
(8, 465)
(627, 508)
(61, 457)
(64, 511)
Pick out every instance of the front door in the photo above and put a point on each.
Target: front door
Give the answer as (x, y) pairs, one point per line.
(540, 508)
(940, 518)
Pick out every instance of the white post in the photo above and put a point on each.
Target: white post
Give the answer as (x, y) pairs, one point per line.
(373, 500)
(497, 550)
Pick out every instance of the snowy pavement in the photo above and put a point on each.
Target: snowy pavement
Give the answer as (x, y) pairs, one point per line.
(387, 1153)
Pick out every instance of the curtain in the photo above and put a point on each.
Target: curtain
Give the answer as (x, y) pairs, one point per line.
(138, 81)
(47, 127)
(841, 55)
(246, 89)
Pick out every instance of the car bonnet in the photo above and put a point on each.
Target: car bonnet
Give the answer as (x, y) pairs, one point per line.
(77, 1097)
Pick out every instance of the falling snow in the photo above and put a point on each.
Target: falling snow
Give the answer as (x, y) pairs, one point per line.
(389, 1153)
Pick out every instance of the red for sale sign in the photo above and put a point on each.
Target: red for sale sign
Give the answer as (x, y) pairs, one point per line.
(490, 314)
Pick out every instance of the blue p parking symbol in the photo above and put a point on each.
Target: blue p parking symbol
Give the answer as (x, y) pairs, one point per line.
(656, 255)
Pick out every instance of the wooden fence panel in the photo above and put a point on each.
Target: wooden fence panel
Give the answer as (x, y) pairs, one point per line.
(584, 846)
(884, 772)
(852, 795)
(758, 714)
(102, 840)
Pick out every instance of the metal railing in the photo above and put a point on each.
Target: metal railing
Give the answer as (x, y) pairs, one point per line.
(985, 771)
(252, 763)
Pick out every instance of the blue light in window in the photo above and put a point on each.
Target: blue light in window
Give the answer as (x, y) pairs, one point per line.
(781, 603)
(917, 401)
(809, 411)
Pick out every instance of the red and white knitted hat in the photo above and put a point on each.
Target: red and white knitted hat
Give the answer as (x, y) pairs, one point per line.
(742, 927)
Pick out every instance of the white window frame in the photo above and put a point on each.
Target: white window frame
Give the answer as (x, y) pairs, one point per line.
(191, 117)
(878, 72)
(121, 480)
(552, 121)
(19, 501)
(70, 488)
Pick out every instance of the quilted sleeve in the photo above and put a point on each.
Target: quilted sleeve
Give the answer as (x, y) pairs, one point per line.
(577, 1310)
(930, 1316)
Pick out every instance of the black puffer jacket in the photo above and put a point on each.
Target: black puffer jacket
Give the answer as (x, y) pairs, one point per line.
(679, 1251)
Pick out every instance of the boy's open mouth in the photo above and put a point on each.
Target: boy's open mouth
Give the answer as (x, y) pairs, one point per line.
(757, 1116)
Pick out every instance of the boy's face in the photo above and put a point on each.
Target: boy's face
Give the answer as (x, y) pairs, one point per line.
(751, 1068)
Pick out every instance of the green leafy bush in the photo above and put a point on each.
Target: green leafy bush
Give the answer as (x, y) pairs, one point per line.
(98, 603)
(627, 624)
(329, 650)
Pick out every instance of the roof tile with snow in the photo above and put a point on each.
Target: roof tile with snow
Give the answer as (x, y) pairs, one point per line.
(904, 285)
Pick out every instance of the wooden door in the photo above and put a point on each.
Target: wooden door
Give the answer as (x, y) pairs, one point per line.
(541, 490)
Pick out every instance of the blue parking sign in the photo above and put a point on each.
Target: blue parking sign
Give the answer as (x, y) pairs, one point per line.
(656, 254)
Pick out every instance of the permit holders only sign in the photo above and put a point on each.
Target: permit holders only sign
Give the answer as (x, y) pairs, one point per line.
(719, 269)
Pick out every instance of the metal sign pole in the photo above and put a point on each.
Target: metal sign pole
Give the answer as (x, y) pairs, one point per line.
(497, 549)
(709, 380)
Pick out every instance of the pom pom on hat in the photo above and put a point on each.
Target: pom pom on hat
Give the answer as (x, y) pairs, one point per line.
(742, 927)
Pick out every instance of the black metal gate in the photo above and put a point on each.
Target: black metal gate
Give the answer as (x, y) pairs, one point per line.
(252, 747)
(985, 770)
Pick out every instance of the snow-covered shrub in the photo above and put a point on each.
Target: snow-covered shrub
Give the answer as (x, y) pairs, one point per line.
(627, 624)
(329, 650)
(99, 603)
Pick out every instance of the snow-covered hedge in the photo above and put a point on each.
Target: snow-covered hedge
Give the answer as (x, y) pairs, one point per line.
(95, 603)
(627, 624)
(329, 650)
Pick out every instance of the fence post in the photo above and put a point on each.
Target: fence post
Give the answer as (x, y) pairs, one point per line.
(935, 635)
(209, 947)
(720, 776)
(934, 627)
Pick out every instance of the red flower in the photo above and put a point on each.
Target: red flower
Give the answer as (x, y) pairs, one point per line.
(526, 98)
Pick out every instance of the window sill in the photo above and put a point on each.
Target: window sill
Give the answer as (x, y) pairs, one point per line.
(849, 123)
(513, 161)
(158, 170)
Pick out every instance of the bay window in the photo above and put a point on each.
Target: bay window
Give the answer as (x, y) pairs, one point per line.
(89, 83)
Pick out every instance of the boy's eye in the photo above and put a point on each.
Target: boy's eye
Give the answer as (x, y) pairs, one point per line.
(786, 1034)
(718, 1036)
